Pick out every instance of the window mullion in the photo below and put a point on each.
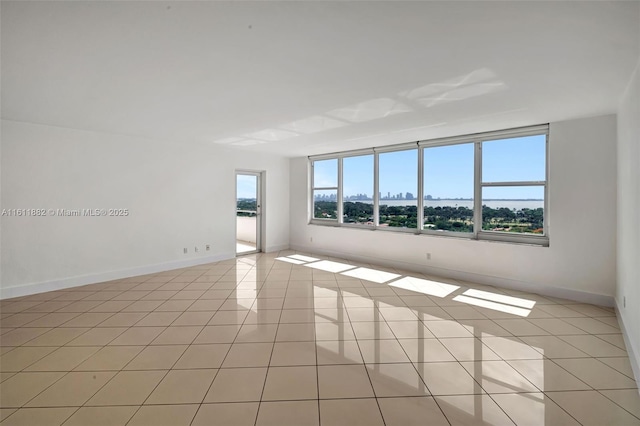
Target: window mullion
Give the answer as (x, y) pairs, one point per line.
(376, 191)
(477, 190)
(340, 192)
(420, 203)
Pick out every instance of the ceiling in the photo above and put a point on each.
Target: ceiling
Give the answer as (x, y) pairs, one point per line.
(302, 78)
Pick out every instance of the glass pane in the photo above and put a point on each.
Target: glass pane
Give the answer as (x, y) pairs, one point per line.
(515, 159)
(398, 174)
(325, 204)
(357, 189)
(246, 193)
(325, 173)
(517, 209)
(448, 188)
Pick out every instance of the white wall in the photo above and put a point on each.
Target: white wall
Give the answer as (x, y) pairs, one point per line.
(178, 196)
(579, 263)
(628, 217)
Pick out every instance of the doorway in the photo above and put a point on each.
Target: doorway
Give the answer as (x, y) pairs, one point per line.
(248, 212)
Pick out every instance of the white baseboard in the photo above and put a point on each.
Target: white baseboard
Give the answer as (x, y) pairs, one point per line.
(634, 356)
(564, 293)
(63, 283)
(271, 249)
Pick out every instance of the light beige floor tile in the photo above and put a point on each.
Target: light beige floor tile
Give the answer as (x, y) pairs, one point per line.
(218, 334)
(592, 326)
(237, 385)
(231, 414)
(592, 409)
(176, 306)
(290, 383)
(102, 416)
(620, 364)
(344, 381)
(334, 331)
(54, 319)
(533, 409)
(614, 339)
(484, 328)
(203, 356)
(350, 412)
(110, 358)
(178, 335)
(338, 352)
(122, 319)
(293, 353)
(20, 319)
(74, 389)
(396, 380)
(556, 326)
(142, 305)
(158, 319)
(193, 318)
(128, 388)
(629, 399)
(372, 330)
(445, 328)
(63, 359)
(292, 316)
(553, 347)
(228, 317)
(498, 377)
(596, 374)
(411, 412)
(23, 357)
(447, 378)
(426, 350)
(57, 337)
(511, 348)
(472, 410)
(97, 336)
(468, 349)
(255, 333)
(164, 415)
(248, 355)
(20, 336)
(136, 336)
(382, 351)
(183, 387)
(89, 319)
(112, 306)
(296, 332)
(410, 330)
(20, 388)
(6, 412)
(283, 413)
(594, 346)
(39, 416)
(262, 316)
(547, 375)
(157, 358)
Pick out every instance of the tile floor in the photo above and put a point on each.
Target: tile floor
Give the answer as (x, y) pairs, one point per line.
(292, 339)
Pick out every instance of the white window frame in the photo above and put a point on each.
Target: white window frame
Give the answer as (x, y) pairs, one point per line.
(478, 233)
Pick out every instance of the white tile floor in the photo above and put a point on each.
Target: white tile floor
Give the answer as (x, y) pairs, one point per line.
(294, 339)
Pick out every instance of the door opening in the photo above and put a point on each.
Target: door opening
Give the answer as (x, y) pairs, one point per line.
(248, 213)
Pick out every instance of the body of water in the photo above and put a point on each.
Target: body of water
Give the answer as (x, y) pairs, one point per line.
(510, 204)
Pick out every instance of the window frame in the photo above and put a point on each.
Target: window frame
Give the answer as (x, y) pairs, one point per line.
(478, 233)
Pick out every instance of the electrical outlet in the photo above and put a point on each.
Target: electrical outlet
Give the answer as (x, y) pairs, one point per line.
(207, 247)
(428, 256)
(195, 249)
(185, 250)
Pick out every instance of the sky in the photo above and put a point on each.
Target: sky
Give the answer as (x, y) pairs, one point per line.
(449, 170)
(246, 186)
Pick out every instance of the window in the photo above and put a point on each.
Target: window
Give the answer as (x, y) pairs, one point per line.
(357, 193)
(513, 185)
(485, 186)
(448, 188)
(325, 190)
(398, 177)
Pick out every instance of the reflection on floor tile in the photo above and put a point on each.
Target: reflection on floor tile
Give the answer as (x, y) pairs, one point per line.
(301, 339)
